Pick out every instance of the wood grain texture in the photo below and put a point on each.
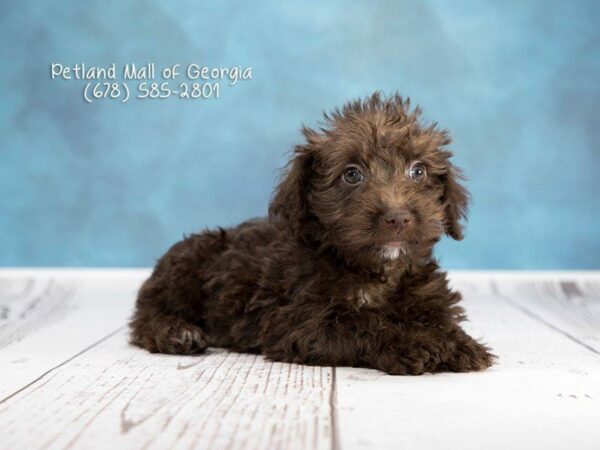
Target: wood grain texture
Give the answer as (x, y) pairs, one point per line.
(69, 379)
(543, 393)
(115, 395)
(30, 303)
(50, 316)
(570, 304)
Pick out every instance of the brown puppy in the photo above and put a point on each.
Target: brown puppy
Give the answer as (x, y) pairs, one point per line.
(342, 272)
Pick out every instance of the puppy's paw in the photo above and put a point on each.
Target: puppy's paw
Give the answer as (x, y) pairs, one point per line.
(470, 356)
(180, 338)
(414, 361)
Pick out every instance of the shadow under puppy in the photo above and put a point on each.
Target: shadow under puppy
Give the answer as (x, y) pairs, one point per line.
(341, 273)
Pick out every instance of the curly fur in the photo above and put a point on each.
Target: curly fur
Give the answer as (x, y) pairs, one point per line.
(325, 280)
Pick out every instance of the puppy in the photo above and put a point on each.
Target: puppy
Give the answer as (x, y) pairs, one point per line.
(341, 273)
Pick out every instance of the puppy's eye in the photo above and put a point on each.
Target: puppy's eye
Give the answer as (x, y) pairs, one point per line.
(417, 172)
(353, 175)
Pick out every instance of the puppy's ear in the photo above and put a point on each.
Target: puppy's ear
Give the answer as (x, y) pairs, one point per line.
(456, 200)
(289, 203)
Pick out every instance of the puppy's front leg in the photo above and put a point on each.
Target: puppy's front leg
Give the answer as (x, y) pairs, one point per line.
(417, 349)
(434, 320)
(337, 336)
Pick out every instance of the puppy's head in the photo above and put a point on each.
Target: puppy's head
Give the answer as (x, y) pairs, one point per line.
(374, 183)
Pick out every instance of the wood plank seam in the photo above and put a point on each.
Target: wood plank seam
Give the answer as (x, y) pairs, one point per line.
(333, 404)
(42, 376)
(534, 316)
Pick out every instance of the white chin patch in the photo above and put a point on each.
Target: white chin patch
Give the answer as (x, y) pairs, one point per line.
(390, 253)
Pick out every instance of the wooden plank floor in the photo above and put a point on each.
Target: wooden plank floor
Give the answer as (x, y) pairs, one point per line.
(69, 379)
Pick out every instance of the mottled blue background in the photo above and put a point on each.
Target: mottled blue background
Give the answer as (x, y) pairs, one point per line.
(110, 184)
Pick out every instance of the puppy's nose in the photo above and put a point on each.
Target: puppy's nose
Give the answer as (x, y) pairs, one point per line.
(397, 217)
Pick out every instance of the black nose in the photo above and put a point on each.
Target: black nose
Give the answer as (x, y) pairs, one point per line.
(397, 217)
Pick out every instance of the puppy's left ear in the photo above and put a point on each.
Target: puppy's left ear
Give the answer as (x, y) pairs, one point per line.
(456, 200)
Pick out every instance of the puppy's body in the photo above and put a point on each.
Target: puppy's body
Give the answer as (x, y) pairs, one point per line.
(342, 272)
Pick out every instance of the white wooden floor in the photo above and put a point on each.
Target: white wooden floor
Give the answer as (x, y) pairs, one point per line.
(69, 379)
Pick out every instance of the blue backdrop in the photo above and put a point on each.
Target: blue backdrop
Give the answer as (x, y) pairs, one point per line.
(114, 184)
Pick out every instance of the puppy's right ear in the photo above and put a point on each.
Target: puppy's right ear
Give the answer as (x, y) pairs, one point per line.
(289, 204)
(456, 198)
